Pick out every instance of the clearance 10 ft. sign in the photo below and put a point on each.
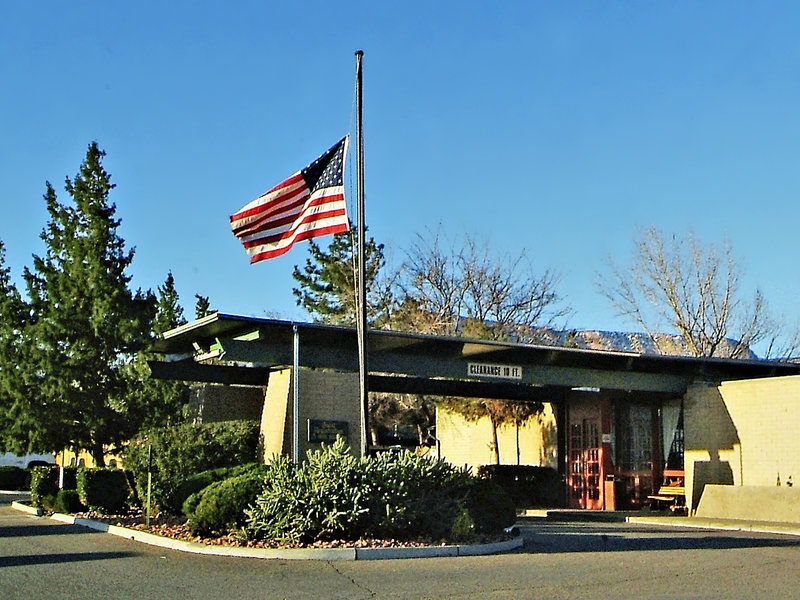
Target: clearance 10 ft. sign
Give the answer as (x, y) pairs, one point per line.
(494, 371)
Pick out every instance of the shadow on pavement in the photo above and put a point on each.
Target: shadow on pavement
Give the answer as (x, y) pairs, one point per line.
(43, 559)
(549, 538)
(47, 528)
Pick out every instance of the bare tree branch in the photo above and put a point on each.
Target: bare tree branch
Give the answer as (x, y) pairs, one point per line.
(464, 284)
(693, 290)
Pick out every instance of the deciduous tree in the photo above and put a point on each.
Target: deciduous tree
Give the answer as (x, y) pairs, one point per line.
(679, 284)
(463, 288)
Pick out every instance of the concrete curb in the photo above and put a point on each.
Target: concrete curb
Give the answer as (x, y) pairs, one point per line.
(285, 554)
(27, 509)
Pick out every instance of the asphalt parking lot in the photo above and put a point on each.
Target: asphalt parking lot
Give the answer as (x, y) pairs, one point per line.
(40, 558)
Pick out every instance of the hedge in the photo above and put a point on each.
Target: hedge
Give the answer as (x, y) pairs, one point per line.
(103, 490)
(13, 478)
(527, 485)
(44, 486)
(67, 502)
(185, 450)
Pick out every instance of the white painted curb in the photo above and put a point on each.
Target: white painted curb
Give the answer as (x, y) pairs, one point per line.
(27, 509)
(280, 553)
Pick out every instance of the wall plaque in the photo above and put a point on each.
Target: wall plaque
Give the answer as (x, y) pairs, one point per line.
(320, 430)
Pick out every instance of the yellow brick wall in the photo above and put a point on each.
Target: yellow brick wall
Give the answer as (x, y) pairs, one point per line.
(766, 413)
(741, 433)
(712, 446)
(213, 402)
(277, 402)
(330, 396)
(464, 443)
(324, 395)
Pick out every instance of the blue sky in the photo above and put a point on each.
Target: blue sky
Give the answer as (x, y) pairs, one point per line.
(551, 127)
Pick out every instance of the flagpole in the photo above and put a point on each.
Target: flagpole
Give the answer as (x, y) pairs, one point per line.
(362, 270)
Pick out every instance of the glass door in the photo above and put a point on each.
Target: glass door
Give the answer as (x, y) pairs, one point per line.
(585, 456)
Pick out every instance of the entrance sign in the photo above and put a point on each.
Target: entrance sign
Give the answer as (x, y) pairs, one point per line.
(326, 431)
(494, 371)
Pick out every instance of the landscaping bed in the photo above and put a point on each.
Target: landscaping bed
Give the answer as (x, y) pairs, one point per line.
(177, 529)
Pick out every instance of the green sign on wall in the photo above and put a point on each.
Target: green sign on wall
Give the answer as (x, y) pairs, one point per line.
(320, 430)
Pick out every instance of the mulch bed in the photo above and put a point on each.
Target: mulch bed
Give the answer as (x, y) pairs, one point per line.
(175, 528)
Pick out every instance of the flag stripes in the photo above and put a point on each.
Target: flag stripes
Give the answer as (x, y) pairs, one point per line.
(308, 204)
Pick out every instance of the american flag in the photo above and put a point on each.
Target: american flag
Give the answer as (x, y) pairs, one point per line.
(308, 204)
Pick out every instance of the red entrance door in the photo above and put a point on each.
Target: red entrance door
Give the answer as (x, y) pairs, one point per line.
(585, 456)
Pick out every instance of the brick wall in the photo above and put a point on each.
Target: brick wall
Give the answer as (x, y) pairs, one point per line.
(742, 433)
(766, 413)
(275, 431)
(212, 403)
(323, 395)
(327, 395)
(712, 445)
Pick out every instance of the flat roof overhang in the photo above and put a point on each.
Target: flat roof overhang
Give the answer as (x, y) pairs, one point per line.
(247, 348)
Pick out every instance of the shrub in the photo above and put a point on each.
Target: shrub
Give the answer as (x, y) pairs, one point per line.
(192, 486)
(39, 463)
(44, 486)
(185, 450)
(334, 495)
(103, 490)
(527, 485)
(490, 508)
(221, 506)
(409, 495)
(67, 501)
(13, 478)
(70, 481)
(190, 491)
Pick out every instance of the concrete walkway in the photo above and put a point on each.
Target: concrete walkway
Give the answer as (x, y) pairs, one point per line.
(720, 524)
(666, 520)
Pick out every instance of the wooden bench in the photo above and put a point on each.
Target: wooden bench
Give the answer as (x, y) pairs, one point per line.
(672, 493)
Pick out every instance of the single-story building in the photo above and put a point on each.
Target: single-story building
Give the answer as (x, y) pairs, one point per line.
(613, 422)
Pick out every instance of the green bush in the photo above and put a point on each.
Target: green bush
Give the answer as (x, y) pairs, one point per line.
(192, 488)
(13, 478)
(185, 450)
(67, 502)
(334, 495)
(490, 508)
(221, 506)
(103, 490)
(44, 486)
(527, 485)
(408, 495)
(70, 481)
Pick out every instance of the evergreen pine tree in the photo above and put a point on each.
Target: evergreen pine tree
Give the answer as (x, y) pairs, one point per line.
(85, 324)
(12, 396)
(202, 306)
(155, 402)
(328, 283)
(169, 313)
